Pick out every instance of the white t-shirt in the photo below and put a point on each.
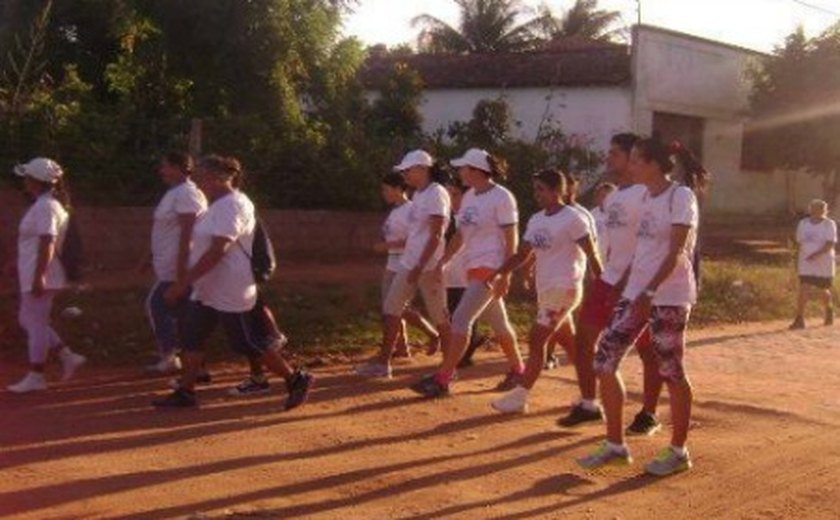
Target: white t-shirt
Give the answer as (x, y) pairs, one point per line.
(455, 272)
(395, 229)
(812, 237)
(677, 205)
(45, 217)
(183, 199)
(229, 286)
(600, 217)
(481, 221)
(623, 209)
(433, 201)
(561, 263)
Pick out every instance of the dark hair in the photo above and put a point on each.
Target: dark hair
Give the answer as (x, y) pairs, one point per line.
(626, 141)
(183, 161)
(395, 180)
(59, 190)
(498, 167)
(605, 186)
(696, 176)
(552, 178)
(440, 173)
(455, 181)
(223, 166)
(654, 150)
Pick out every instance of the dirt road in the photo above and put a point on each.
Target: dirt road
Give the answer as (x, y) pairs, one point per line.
(764, 441)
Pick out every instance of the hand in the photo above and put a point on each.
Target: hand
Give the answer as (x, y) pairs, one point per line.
(414, 275)
(39, 285)
(175, 293)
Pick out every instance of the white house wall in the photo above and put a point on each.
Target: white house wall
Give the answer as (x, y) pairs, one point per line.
(594, 112)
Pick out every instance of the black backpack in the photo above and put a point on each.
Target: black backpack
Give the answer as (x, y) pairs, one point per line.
(263, 261)
(71, 254)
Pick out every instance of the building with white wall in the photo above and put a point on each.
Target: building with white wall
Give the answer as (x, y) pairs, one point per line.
(675, 85)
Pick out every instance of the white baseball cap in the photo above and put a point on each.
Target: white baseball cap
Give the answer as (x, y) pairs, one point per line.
(414, 158)
(40, 169)
(475, 157)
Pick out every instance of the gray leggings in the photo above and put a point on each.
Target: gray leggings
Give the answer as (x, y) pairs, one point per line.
(478, 301)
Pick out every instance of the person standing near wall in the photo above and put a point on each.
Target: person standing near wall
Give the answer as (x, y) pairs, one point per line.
(816, 238)
(174, 219)
(40, 274)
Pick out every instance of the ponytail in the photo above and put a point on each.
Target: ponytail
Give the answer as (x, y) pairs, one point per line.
(696, 176)
(439, 173)
(61, 192)
(498, 167)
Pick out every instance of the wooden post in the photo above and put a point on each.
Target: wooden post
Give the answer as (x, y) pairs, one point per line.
(196, 129)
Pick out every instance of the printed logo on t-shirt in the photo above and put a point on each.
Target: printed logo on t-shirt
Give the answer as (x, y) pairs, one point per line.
(616, 217)
(647, 226)
(541, 239)
(468, 216)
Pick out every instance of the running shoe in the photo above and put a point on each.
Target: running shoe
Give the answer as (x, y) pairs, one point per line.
(668, 463)
(511, 381)
(167, 365)
(579, 414)
(31, 382)
(180, 398)
(251, 385)
(798, 324)
(515, 401)
(429, 386)
(374, 369)
(203, 378)
(644, 424)
(299, 387)
(829, 317)
(552, 362)
(70, 363)
(605, 455)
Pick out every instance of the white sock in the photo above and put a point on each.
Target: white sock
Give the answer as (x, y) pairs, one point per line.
(589, 404)
(680, 451)
(617, 448)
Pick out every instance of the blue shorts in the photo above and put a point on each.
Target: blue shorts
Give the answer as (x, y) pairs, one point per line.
(248, 333)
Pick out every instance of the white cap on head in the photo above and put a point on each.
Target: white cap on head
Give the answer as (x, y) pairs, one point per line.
(414, 158)
(40, 169)
(476, 158)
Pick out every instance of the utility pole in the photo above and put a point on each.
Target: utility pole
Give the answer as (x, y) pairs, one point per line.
(638, 12)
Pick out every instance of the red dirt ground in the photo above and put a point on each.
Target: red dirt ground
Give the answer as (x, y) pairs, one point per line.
(764, 442)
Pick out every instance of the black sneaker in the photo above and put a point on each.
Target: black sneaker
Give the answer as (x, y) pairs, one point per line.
(430, 387)
(511, 381)
(644, 424)
(829, 317)
(579, 415)
(204, 378)
(180, 398)
(552, 362)
(299, 387)
(798, 324)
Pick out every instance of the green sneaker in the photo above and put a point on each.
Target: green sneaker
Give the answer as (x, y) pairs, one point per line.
(668, 463)
(606, 456)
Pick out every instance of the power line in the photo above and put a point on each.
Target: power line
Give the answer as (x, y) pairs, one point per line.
(816, 7)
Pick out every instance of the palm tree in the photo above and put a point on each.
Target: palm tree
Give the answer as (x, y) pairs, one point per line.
(584, 20)
(485, 26)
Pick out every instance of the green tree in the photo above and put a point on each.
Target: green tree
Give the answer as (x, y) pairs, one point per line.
(583, 20)
(484, 26)
(795, 105)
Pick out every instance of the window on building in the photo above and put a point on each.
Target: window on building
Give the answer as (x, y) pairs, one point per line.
(688, 130)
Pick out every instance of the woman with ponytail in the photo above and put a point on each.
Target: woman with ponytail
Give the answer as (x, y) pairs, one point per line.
(41, 276)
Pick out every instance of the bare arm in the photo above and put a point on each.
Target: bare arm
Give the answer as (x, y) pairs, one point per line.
(453, 247)
(828, 246)
(46, 251)
(589, 249)
(435, 237)
(186, 221)
(679, 237)
(205, 264)
(522, 258)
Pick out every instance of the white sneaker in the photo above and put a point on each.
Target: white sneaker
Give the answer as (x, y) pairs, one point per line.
(515, 401)
(167, 365)
(70, 362)
(374, 369)
(31, 382)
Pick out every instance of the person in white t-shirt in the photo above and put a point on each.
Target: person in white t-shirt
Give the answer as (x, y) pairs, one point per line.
(223, 287)
(660, 291)
(41, 275)
(174, 219)
(816, 238)
(417, 265)
(560, 238)
(394, 235)
(487, 232)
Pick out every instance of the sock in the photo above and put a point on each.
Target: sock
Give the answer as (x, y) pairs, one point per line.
(617, 448)
(680, 451)
(443, 378)
(589, 405)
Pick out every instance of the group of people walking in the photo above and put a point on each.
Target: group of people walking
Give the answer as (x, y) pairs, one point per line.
(598, 293)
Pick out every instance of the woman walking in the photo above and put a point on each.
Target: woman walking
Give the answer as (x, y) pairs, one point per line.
(40, 274)
(816, 238)
(660, 291)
